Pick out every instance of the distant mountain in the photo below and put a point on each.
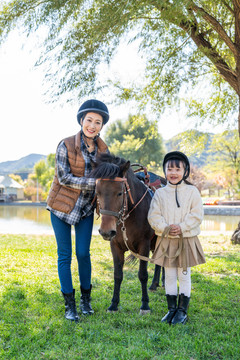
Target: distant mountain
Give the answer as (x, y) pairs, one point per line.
(200, 160)
(25, 164)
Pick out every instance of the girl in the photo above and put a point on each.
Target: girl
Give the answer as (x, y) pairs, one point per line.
(175, 214)
(70, 202)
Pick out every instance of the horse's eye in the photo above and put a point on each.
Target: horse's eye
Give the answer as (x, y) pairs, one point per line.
(119, 194)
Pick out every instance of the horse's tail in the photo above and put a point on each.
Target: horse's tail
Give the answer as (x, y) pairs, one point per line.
(131, 260)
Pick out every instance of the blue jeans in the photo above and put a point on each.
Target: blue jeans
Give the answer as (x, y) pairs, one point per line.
(83, 233)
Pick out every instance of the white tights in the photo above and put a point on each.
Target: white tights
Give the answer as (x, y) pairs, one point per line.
(171, 276)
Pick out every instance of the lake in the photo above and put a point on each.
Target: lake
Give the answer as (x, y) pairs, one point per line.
(36, 220)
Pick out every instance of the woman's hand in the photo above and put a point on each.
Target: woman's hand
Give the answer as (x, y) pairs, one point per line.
(175, 230)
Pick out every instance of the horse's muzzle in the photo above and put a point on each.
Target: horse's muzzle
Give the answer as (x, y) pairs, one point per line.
(107, 235)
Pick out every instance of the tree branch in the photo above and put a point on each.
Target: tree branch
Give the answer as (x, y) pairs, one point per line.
(218, 27)
(228, 7)
(228, 74)
(10, 15)
(191, 28)
(144, 17)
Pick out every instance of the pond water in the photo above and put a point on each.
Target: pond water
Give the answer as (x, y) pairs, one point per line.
(36, 220)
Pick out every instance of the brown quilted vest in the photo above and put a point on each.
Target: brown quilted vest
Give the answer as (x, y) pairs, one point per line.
(64, 198)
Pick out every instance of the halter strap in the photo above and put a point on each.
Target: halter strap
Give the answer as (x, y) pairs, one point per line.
(119, 179)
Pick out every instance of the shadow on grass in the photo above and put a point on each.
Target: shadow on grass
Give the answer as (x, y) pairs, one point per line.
(33, 326)
(229, 257)
(31, 322)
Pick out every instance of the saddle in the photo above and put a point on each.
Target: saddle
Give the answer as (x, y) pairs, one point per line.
(150, 179)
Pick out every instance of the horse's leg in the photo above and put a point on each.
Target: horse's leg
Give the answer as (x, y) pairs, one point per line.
(156, 277)
(143, 277)
(163, 277)
(118, 261)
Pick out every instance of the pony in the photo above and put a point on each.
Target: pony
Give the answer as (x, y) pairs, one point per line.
(123, 201)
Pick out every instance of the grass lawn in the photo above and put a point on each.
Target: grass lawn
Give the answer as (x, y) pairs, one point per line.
(32, 323)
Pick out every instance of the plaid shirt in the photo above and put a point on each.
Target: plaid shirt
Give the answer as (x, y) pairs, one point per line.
(83, 206)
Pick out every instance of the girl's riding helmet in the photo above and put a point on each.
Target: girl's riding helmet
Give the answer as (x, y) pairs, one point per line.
(93, 106)
(177, 155)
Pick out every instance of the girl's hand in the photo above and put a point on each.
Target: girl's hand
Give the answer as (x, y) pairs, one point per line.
(175, 230)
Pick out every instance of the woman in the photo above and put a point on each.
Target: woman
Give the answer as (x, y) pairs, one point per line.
(70, 202)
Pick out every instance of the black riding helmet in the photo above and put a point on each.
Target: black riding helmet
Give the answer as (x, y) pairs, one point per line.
(93, 105)
(178, 155)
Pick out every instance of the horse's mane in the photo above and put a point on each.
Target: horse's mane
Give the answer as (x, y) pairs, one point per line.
(107, 166)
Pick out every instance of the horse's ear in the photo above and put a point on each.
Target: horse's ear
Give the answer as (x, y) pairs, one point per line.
(124, 168)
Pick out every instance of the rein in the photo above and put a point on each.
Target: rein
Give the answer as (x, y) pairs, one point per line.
(181, 248)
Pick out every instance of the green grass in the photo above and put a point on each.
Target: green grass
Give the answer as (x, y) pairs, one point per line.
(32, 323)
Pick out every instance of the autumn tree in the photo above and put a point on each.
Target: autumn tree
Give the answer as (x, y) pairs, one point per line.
(197, 178)
(17, 178)
(184, 43)
(42, 176)
(225, 159)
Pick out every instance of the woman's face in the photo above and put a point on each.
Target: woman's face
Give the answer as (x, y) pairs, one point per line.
(174, 173)
(92, 124)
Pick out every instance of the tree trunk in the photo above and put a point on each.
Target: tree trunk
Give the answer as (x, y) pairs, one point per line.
(236, 5)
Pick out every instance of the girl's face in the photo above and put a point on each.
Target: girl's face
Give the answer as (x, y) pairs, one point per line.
(92, 124)
(174, 171)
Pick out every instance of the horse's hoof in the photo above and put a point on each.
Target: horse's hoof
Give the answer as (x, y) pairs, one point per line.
(112, 308)
(153, 287)
(145, 312)
(112, 311)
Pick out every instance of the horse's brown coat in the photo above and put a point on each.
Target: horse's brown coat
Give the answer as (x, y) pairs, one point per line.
(141, 237)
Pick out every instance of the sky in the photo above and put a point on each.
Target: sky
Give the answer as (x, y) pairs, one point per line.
(31, 125)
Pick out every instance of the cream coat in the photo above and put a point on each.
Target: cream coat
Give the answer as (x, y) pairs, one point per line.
(164, 212)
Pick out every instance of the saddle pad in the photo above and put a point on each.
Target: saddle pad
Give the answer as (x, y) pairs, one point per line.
(154, 179)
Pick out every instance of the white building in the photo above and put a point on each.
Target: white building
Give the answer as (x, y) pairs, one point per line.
(10, 189)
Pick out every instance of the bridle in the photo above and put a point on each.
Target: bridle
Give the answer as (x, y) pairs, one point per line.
(121, 215)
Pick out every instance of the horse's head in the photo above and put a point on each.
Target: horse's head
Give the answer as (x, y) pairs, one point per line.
(110, 172)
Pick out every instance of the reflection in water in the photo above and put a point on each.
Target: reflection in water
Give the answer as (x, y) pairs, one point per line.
(219, 223)
(36, 220)
(25, 220)
(32, 213)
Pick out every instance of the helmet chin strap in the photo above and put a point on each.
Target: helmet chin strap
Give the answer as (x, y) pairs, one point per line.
(178, 205)
(185, 172)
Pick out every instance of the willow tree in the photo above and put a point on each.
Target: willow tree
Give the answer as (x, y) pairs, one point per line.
(184, 42)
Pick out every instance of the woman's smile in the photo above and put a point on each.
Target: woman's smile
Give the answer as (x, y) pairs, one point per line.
(92, 124)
